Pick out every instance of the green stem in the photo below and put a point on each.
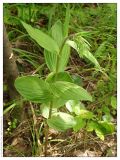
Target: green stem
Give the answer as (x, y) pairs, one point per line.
(50, 111)
(51, 104)
(60, 52)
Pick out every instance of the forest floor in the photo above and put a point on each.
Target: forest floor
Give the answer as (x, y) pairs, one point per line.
(66, 144)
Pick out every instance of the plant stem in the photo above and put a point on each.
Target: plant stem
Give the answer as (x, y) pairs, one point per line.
(60, 52)
(50, 111)
(47, 129)
(46, 137)
(51, 104)
(35, 129)
(85, 136)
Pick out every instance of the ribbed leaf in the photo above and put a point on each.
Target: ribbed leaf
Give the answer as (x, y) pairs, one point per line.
(58, 102)
(45, 110)
(67, 20)
(85, 114)
(57, 32)
(69, 91)
(74, 106)
(42, 39)
(50, 59)
(80, 123)
(106, 127)
(34, 89)
(72, 44)
(90, 56)
(82, 48)
(91, 126)
(100, 134)
(64, 58)
(94, 126)
(66, 50)
(101, 128)
(61, 121)
(61, 76)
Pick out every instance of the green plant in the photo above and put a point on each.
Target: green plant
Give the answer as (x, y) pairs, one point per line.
(58, 89)
(12, 125)
(6, 110)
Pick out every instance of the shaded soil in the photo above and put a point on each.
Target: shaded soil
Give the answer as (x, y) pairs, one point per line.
(62, 144)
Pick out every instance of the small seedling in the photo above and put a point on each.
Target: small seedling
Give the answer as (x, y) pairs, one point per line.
(12, 125)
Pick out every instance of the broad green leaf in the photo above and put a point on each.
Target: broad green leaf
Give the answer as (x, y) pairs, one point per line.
(71, 104)
(114, 102)
(61, 76)
(33, 89)
(64, 58)
(58, 102)
(41, 38)
(106, 127)
(72, 44)
(66, 49)
(90, 56)
(91, 126)
(67, 20)
(85, 114)
(57, 32)
(69, 91)
(50, 59)
(101, 128)
(74, 106)
(94, 126)
(45, 110)
(100, 134)
(80, 123)
(61, 121)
